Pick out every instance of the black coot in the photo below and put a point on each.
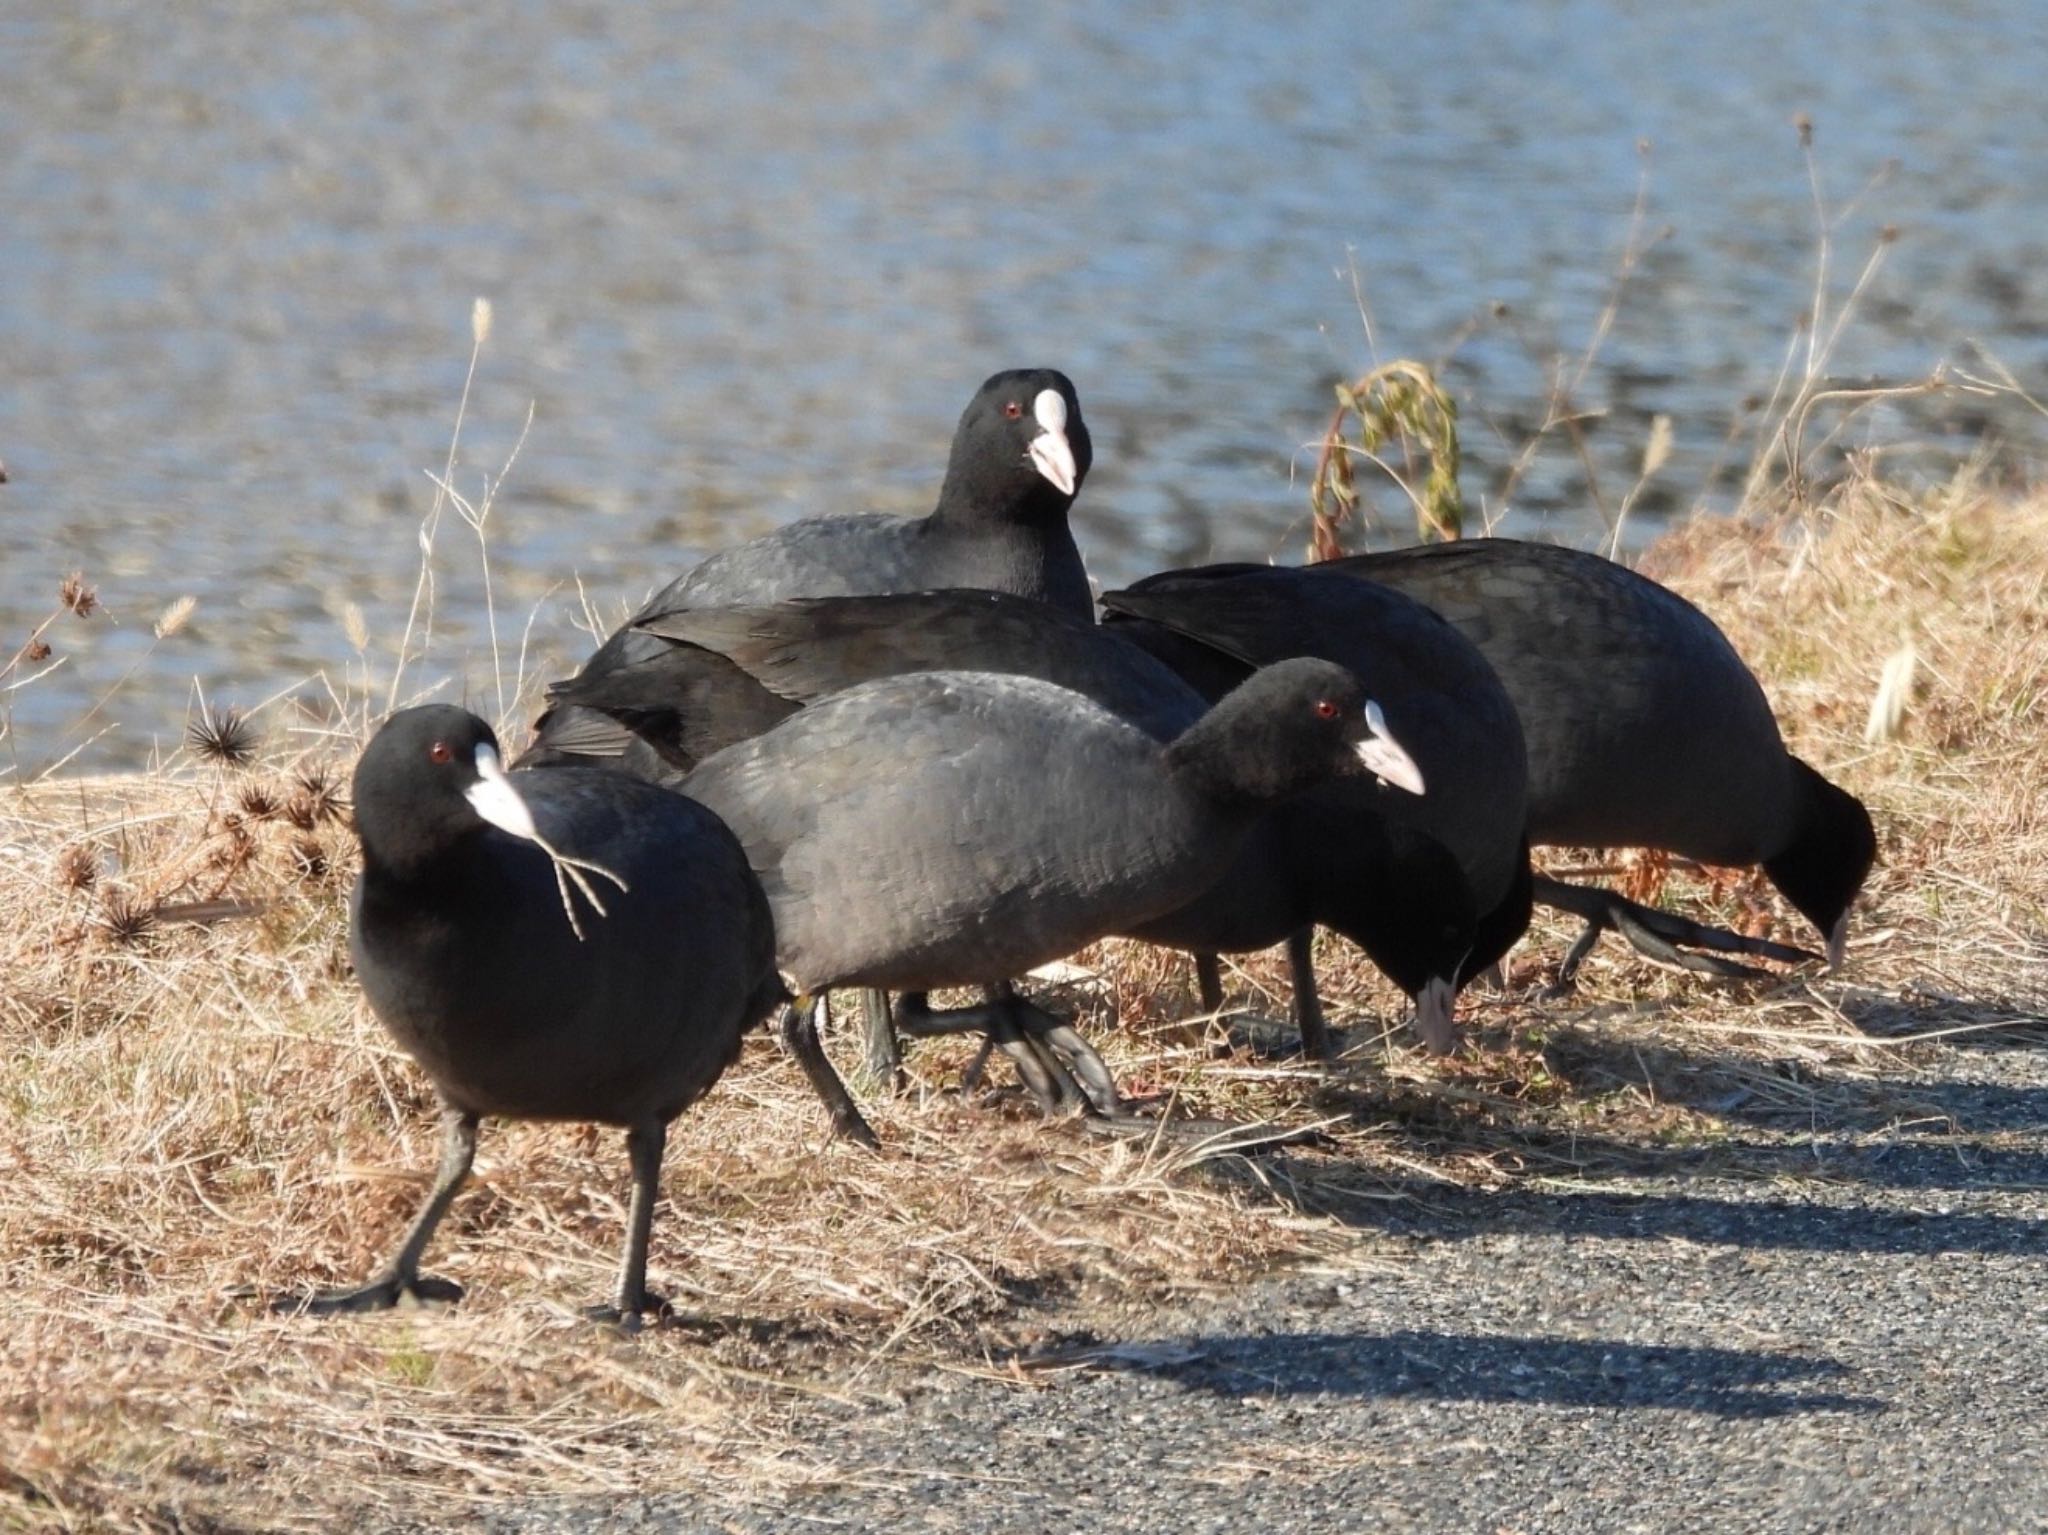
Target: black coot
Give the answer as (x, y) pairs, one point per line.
(1645, 729)
(557, 944)
(728, 674)
(1434, 888)
(725, 675)
(957, 828)
(1019, 456)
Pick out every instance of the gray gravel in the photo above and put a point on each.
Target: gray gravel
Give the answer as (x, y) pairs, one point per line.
(1862, 1346)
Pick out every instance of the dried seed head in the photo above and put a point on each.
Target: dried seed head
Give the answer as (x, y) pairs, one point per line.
(37, 650)
(78, 866)
(1804, 124)
(258, 802)
(309, 859)
(480, 320)
(352, 625)
(1657, 452)
(174, 616)
(125, 918)
(1894, 695)
(224, 736)
(321, 791)
(77, 596)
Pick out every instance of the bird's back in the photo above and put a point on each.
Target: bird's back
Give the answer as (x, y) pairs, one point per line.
(1643, 725)
(847, 556)
(805, 650)
(954, 827)
(873, 554)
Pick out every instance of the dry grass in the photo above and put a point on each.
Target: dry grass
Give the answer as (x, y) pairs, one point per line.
(197, 1106)
(1818, 605)
(194, 1105)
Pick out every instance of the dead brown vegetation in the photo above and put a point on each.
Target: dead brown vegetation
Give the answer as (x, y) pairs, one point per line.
(196, 1100)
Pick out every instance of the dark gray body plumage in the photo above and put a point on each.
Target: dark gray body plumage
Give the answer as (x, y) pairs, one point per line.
(864, 555)
(723, 675)
(1441, 699)
(1644, 727)
(469, 959)
(954, 828)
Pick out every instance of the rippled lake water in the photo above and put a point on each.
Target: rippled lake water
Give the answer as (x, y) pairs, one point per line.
(748, 261)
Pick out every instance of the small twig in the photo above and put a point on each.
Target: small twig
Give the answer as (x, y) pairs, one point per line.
(476, 516)
(1934, 383)
(423, 586)
(1632, 253)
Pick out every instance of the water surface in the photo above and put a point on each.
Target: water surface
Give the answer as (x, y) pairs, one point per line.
(748, 261)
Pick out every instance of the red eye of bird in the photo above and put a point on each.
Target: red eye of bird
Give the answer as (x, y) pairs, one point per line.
(440, 752)
(1325, 709)
(1012, 411)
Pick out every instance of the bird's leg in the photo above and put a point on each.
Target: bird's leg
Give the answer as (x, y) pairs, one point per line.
(884, 1059)
(970, 1079)
(1209, 982)
(916, 1017)
(1654, 933)
(1630, 917)
(1654, 945)
(1589, 903)
(1308, 1001)
(800, 1036)
(1039, 1070)
(1061, 1044)
(1033, 1046)
(644, 1144)
(400, 1281)
(1568, 968)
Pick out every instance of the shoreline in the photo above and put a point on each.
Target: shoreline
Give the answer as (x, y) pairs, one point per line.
(198, 1107)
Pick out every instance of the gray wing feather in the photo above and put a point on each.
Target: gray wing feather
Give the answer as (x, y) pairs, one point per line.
(954, 828)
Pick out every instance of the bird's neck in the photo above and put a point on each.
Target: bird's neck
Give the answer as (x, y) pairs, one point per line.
(1225, 758)
(425, 857)
(1043, 560)
(969, 499)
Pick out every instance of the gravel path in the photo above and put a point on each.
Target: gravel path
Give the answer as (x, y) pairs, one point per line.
(1858, 1344)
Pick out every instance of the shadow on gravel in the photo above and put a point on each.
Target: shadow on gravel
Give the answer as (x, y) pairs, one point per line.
(1789, 1095)
(1460, 1367)
(1603, 1108)
(1906, 1160)
(1442, 1211)
(1977, 1024)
